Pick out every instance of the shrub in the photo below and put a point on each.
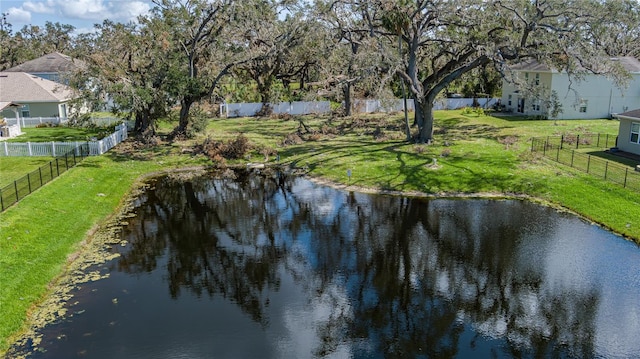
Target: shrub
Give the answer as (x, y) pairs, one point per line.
(508, 141)
(292, 139)
(231, 150)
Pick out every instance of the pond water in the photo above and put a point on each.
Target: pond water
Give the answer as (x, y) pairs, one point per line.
(279, 267)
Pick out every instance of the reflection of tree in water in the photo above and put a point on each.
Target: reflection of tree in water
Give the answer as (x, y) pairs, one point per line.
(219, 237)
(416, 273)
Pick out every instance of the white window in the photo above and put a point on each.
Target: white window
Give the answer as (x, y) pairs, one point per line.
(510, 96)
(535, 106)
(635, 132)
(25, 111)
(583, 106)
(537, 79)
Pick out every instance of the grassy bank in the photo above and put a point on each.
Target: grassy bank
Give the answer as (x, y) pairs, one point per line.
(12, 168)
(472, 154)
(38, 235)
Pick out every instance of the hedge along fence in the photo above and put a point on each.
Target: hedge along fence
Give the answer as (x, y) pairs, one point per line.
(25, 185)
(562, 150)
(53, 149)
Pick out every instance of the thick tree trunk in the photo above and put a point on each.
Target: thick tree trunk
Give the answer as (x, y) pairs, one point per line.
(424, 118)
(144, 126)
(143, 123)
(185, 108)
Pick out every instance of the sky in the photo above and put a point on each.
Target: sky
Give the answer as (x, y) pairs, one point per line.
(80, 13)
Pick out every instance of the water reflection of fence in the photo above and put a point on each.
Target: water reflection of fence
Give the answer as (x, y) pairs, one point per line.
(562, 149)
(25, 185)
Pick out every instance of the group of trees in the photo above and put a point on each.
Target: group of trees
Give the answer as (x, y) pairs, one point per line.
(188, 51)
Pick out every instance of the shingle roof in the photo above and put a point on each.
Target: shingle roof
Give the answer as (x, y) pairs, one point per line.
(630, 64)
(633, 113)
(5, 104)
(22, 87)
(50, 63)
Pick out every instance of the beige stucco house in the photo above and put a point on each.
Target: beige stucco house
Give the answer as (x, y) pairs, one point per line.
(38, 97)
(629, 132)
(595, 96)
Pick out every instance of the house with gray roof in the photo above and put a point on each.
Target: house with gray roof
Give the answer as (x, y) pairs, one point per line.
(38, 97)
(629, 132)
(54, 66)
(538, 87)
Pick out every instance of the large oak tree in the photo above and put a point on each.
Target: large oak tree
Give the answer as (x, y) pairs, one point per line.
(443, 40)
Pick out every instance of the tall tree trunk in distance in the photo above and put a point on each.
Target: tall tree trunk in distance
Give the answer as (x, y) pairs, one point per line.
(417, 117)
(346, 93)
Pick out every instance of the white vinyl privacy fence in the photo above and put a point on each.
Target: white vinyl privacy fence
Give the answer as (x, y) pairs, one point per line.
(26, 122)
(54, 149)
(396, 105)
(359, 106)
(291, 108)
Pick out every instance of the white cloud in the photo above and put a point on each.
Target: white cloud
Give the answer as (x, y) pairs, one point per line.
(46, 7)
(83, 9)
(129, 11)
(88, 10)
(17, 15)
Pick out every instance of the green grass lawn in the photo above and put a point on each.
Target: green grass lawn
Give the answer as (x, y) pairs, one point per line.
(470, 155)
(12, 168)
(61, 134)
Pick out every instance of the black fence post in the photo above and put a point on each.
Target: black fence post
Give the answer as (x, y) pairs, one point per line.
(626, 173)
(544, 148)
(561, 141)
(29, 181)
(598, 142)
(573, 153)
(577, 141)
(588, 162)
(606, 168)
(66, 161)
(15, 185)
(40, 172)
(1, 200)
(57, 168)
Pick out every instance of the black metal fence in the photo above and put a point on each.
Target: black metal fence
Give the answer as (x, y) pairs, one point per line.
(24, 186)
(589, 140)
(562, 150)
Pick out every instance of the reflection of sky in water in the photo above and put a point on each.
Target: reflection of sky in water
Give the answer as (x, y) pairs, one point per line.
(588, 259)
(574, 258)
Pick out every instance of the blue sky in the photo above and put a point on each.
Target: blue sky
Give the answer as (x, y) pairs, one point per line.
(80, 13)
